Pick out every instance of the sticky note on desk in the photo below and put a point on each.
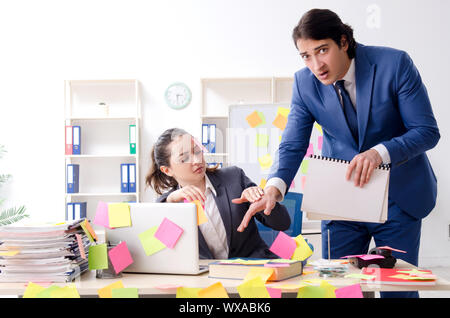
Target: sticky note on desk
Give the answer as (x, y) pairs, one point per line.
(311, 291)
(168, 233)
(214, 291)
(351, 291)
(98, 257)
(124, 293)
(186, 292)
(283, 245)
(65, 292)
(32, 290)
(119, 215)
(149, 242)
(302, 251)
(253, 288)
(120, 257)
(47, 292)
(106, 292)
(264, 272)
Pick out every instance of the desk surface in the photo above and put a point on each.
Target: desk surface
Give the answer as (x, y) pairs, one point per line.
(148, 284)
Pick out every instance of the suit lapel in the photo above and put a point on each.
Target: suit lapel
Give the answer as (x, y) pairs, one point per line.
(364, 74)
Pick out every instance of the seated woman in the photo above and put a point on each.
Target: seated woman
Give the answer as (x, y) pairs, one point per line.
(179, 166)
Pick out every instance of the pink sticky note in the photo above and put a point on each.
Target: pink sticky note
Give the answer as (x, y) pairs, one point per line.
(274, 265)
(310, 150)
(365, 257)
(81, 246)
(319, 142)
(283, 246)
(101, 215)
(351, 291)
(392, 249)
(303, 182)
(274, 292)
(168, 233)
(292, 184)
(120, 257)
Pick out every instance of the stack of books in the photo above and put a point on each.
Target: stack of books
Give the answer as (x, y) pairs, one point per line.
(43, 253)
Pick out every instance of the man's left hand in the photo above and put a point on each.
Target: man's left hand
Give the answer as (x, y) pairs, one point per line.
(363, 165)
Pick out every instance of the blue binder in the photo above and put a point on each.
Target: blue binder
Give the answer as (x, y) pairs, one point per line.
(69, 211)
(76, 133)
(79, 210)
(124, 185)
(205, 135)
(131, 177)
(212, 138)
(73, 173)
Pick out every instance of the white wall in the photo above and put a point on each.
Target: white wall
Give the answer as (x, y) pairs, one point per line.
(158, 42)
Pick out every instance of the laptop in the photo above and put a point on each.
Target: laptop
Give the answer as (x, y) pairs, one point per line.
(183, 258)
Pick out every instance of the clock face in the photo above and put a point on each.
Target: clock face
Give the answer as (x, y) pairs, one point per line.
(178, 95)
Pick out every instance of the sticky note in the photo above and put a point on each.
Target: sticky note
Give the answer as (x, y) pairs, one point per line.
(80, 246)
(302, 250)
(310, 291)
(264, 272)
(262, 140)
(360, 276)
(303, 182)
(187, 292)
(319, 142)
(329, 289)
(292, 184)
(168, 233)
(120, 257)
(65, 292)
(98, 257)
(214, 291)
(201, 215)
(413, 272)
(87, 228)
(106, 292)
(391, 249)
(274, 292)
(32, 290)
(310, 150)
(262, 117)
(253, 288)
(351, 291)
(124, 293)
(283, 245)
(253, 119)
(365, 257)
(149, 242)
(304, 166)
(101, 215)
(119, 215)
(283, 111)
(263, 183)
(280, 122)
(265, 161)
(9, 253)
(318, 127)
(47, 292)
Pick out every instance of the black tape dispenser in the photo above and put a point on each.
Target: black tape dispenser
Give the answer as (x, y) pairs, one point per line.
(387, 261)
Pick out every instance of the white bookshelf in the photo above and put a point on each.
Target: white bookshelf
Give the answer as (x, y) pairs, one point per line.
(104, 138)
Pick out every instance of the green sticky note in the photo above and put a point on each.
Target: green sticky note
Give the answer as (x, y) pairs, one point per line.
(124, 293)
(47, 293)
(262, 140)
(263, 118)
(304, 166)
(149, 242)
(98, 257)
(311, 292)
(65, 292)
(186, 292)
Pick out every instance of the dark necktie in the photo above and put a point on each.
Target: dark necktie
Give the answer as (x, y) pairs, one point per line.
(349, 110)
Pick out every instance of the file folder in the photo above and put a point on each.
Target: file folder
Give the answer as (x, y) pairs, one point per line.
(132, 139)
(73, 172)
(79, 210)
(124, 186)
(212, 138)
(205, 136)
(76, 140)
(132, 177)
(69, 140)
(69, 212)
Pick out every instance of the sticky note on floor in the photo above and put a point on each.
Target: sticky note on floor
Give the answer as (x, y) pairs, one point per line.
(98, 257)
(120, 257)
(149, 242)
(201, 215)
(214, 291)
(253, 288)
(124, 293)
(280, 121)
(187, 292)
(302, 251)
(254, 119)
(119, 215)
(106, 292)
(351, 291)
(283, 245)
(101, 215)
(265, 161)
(262, 140)
(168, 233)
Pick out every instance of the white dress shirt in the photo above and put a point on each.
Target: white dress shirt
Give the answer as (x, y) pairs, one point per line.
(214, 230)
(350, 86)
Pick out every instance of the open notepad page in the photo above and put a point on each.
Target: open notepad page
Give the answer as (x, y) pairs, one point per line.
(328, 195)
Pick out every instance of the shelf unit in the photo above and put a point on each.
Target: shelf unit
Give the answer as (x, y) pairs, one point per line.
(104, 138)
(219, 93)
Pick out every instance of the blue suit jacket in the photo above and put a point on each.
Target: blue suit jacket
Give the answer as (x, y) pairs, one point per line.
(392, 108)
(229, 183)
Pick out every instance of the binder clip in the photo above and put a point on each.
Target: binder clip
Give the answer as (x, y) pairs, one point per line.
(388, 261)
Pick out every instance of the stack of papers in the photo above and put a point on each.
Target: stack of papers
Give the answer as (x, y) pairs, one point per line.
(43, 253)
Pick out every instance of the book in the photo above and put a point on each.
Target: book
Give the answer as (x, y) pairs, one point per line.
(396, 276)
(328, 195)
(238, 269)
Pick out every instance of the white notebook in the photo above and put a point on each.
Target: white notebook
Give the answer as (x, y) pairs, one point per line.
(328, 195)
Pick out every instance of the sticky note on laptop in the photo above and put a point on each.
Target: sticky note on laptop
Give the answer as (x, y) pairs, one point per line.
(149, 242)
(168, 233)
(119, 215)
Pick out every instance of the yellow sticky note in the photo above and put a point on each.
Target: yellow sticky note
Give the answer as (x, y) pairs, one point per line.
(9, 253)
(253, 288)
(280, 122)
(264, 272)
(65, 292)
(265, 161)
(283, 111)
(87, 227)
(186, 292)
(304, 166)
(32, 290)
(253, 261)
(201, 215)
(329, 289)
(318, 127)
(106, 292)
(263, 183)
(311, 292)
(119, 215)
(262, 140)
(214, 291)
(254, 119)
(303, 251)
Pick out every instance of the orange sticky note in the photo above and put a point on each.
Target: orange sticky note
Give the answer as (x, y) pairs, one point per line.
(253, 119)
(264, 272)
(81, 246)
(106, 292)
(214, 291)
(201, 215)
(280, 122)
(89, 230)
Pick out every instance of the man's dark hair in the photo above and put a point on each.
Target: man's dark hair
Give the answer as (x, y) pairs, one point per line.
(319, 24)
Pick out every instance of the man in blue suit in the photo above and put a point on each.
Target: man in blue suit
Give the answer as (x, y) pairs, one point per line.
(374, 109)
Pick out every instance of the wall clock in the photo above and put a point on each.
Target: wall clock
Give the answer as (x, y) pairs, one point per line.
(178, 95)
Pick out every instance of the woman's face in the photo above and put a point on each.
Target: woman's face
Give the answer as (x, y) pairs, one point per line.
(187, 163)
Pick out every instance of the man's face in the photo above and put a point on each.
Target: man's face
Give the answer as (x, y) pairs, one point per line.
(325, 59)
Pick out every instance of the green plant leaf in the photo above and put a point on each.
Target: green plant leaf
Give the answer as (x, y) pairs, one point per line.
(12, 215)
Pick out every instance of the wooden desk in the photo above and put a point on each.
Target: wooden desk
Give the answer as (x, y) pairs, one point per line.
(147, 284)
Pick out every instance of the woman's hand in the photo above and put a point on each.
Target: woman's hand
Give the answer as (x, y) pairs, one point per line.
(189, 192)
(251, 194)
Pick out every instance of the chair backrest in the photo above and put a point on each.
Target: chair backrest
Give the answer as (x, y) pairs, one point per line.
(292, 201)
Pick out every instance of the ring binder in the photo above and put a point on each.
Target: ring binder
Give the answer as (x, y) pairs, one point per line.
(381, 167)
